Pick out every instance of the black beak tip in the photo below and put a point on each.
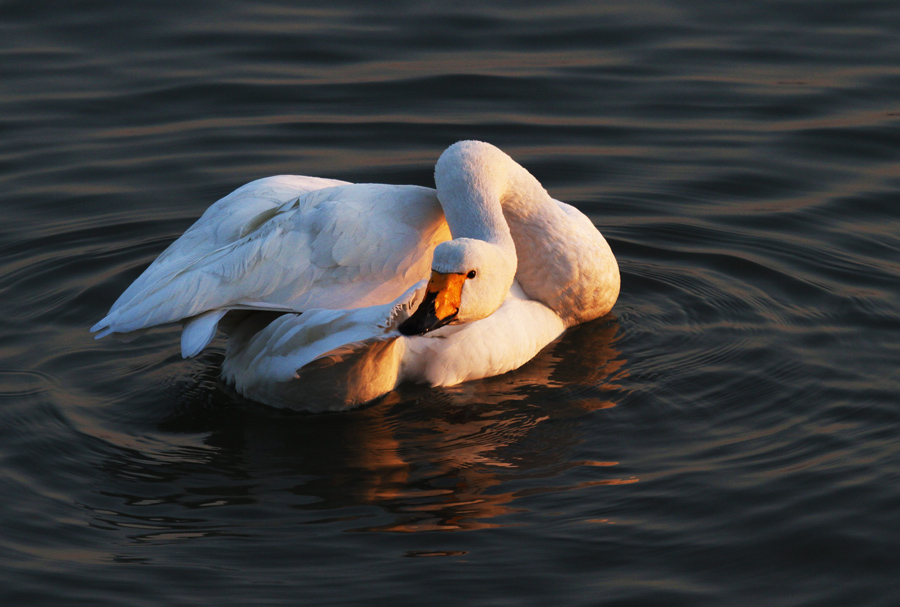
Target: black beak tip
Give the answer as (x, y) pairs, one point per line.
(408, 327)
(423, 319)
(422, 325)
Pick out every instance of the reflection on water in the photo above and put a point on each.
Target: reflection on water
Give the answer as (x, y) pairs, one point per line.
(446, 459)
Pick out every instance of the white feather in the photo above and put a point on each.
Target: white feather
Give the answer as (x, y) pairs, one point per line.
(344, 262)
(199, 331)
(302, 256)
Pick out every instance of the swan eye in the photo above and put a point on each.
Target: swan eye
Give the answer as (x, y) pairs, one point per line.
(471, 274)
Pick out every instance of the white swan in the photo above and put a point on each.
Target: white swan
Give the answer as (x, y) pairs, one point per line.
(344, 265)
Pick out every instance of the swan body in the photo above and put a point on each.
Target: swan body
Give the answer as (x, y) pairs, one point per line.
(344, 266)
(336, 358)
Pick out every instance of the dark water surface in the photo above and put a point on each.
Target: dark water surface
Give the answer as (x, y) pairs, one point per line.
(730, 435)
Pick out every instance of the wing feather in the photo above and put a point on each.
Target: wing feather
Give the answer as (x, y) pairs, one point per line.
(338, 247)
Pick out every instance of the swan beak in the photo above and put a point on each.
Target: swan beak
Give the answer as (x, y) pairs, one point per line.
(440, 306)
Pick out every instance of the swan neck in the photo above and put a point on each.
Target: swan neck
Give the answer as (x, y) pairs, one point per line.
(475, 181)
(562, 260)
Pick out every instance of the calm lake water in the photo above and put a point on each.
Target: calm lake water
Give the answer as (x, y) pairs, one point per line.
(729, 435)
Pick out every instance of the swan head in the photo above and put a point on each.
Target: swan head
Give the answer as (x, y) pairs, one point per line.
(470, 278)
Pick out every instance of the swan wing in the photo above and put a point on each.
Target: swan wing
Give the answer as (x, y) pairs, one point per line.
(320, 359)
(336, 247)
(224, 223)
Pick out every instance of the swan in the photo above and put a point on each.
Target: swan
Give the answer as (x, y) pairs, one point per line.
(347, 290)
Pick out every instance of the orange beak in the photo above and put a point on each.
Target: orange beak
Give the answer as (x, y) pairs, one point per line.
(439, 307)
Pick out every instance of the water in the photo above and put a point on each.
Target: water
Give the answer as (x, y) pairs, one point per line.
(727, 436)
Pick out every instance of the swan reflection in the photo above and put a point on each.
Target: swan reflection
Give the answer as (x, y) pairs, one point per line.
(427, 459)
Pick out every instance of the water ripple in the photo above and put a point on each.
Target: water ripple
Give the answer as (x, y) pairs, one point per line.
(729, 431)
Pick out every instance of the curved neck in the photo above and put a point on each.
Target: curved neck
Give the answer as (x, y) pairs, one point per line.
(562, 260)
(471, 185)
